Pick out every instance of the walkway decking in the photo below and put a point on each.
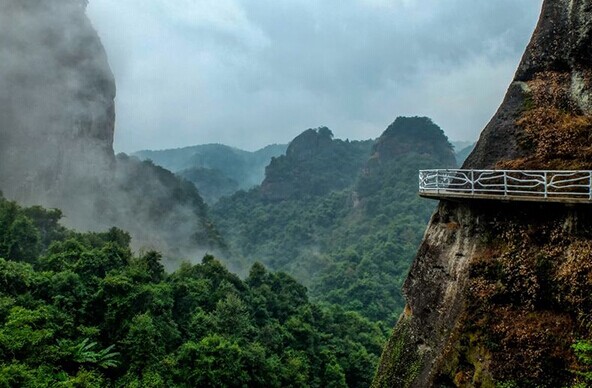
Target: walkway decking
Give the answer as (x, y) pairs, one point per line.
(570, 187)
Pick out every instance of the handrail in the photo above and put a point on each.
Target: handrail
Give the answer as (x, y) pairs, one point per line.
(543, 184)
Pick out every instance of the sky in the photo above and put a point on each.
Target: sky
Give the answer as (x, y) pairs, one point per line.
(249, 73)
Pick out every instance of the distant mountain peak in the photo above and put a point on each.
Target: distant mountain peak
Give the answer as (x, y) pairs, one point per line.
(314, 164)
(310, 142)
(414, 135)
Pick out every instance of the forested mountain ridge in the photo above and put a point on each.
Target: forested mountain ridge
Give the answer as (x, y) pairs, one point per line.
(315, 164)
(80, 310)
(348, 233)
(57, 122)
(216, 170)
(500, 294)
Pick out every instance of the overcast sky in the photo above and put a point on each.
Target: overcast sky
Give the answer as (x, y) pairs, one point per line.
(248, 73)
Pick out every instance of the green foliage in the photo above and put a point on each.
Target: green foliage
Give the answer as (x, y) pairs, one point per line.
(583, 351)
(342, 217)
(400, 363)
(84, 353)
(86, 312)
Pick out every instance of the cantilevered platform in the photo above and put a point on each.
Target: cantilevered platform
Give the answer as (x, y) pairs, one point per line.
(569, 187)
(504, 198)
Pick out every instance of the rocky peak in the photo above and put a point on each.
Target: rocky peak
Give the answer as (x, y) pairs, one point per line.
(418, 135)
(499, 292)
(314, 164)
(310, 143)
(544, 120)
(57, 121)
(56, 100)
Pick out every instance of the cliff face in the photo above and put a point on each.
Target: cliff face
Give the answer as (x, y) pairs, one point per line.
(499, 292)
(56, 135)
(544, 120)
(56, 101)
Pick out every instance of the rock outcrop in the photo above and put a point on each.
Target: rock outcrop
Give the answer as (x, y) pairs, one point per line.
(57, 120)
(544, 121)
(57, 95)
(314, 164)
(499, 292)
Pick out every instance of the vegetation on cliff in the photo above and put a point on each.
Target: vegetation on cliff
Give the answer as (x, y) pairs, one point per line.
(499, 294)
(527, 320)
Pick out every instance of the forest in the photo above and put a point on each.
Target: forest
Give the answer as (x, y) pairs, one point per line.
(80, 310)
(338, 220)
(344, 219)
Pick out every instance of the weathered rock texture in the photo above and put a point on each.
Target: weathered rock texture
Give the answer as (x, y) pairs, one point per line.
(57, 121)
(499, 292)
(544, 121)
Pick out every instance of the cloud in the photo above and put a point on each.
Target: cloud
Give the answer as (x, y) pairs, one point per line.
(249, 73)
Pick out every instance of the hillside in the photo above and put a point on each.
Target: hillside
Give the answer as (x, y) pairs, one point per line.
(216, 170)
(315, 164)
(80, 310)
(343, 217)
(499, 293)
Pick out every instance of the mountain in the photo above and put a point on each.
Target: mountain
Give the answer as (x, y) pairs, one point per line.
(56, 102)
(463, 154)
(314, 164)
(216, 170)
(212, 184)
(57, 121)
(342, 217)
(499, 294)
(459, 145)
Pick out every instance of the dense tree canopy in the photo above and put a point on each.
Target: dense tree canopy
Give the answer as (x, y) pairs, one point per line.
(353, 241)
(79, 309)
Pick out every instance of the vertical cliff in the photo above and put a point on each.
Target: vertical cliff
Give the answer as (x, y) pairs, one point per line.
(499, 292)
(56, 101)
(57, 120)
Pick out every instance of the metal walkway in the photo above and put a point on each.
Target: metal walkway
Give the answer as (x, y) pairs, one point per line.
(573, 187)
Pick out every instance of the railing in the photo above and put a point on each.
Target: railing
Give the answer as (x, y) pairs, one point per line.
(508, 183)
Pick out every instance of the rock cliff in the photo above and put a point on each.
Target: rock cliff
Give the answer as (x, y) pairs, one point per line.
(544, 121)
(499, 292)
(57, 95)
(57, 122)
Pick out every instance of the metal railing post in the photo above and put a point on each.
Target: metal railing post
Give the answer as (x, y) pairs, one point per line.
(438, 181)
(546, 188)
(472, 182)
(590, 184)
(505, 183)
(420, 183)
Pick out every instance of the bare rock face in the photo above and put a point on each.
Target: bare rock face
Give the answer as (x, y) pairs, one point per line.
(57, 121)
(499, 292)
(544, 121)
(56, 102)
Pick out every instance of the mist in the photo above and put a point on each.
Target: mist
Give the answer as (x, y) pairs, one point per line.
(57, 119)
